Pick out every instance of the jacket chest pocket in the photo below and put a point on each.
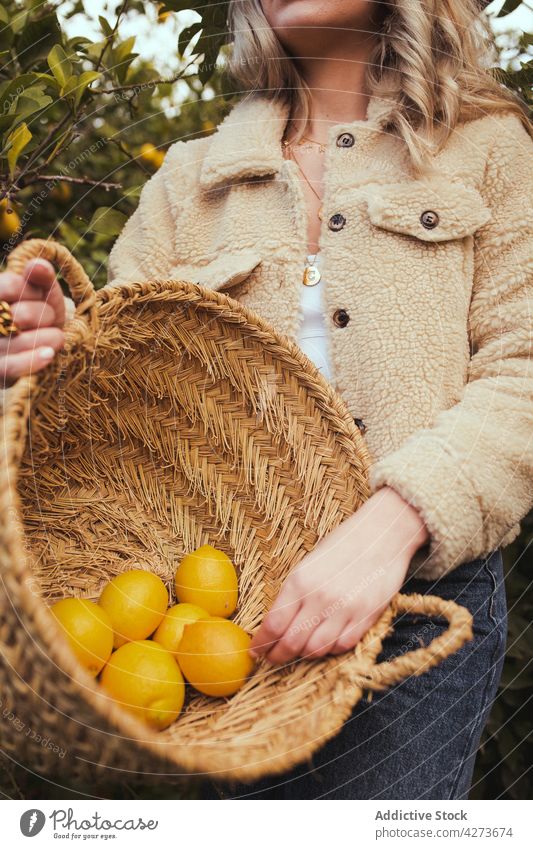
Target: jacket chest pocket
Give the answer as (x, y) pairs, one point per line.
(429, 210)
(228, 271)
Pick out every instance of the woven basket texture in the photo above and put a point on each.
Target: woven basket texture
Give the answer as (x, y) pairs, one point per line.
(175, 417)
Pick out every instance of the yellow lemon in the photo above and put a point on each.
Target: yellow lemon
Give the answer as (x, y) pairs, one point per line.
(62, 192)
(147, 151)
(88, 629)
(151, 155)
(146, 680)
(171, 628)
(136, 602)
(213, 656)
(9, 221)
(207, 577)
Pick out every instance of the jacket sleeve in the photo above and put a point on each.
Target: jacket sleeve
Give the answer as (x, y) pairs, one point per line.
(470, 475)
(144, 249)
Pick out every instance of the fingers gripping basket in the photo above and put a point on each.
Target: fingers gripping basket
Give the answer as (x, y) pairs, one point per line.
(175, 417)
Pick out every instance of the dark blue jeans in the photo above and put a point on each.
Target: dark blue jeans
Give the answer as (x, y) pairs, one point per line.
(417, 740)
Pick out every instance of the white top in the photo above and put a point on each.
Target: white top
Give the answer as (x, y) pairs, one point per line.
(312, 335)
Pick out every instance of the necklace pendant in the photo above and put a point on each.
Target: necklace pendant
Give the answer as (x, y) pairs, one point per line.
(311, 275)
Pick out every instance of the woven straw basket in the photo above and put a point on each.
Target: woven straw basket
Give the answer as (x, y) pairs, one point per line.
(176, 417)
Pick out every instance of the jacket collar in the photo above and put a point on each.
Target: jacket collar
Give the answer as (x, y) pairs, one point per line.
(247, 142)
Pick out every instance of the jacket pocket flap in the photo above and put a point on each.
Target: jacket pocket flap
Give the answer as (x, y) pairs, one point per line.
(431, 210)
(224, 271)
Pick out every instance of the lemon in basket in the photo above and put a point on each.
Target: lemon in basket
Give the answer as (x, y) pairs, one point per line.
(88, 629)
(213, 656)
(136, 602)
(170, 631)
(146, 681)
(207, 578)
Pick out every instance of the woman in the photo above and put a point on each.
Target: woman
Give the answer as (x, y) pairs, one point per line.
(395, 246)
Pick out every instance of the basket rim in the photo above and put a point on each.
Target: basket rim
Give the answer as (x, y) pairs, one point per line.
(250, 321)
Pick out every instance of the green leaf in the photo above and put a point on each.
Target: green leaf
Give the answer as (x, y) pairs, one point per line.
(107, 221)
(508, 7)
(50, 80)
(88, 77)
(211, 48)
(6, 121)
(123, 50)
(94, 49)
(75, 87)
(33, 92)
(122, 57)
(187, 35)
(37, 39)
(17, 141)
(134, 192)
(60, 65)
(32, 101)
(77, 41)
(19, 21)
(107, 29)
(10, 91)
(7, 36)
(59, 142)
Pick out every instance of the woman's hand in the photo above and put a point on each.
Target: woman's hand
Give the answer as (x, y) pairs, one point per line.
(338, 591)
(38, 308)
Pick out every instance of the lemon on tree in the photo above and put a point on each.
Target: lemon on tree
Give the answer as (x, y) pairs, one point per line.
(9, 221)
(145, 680)
(88, 629)
(136, 602)
(62, 192)
(170, 631)
(151, 155)
(213, 656)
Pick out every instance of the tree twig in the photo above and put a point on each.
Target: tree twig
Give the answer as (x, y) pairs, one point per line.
(131, 157)
(82, 181)
(136, 87)
(109, 39)
(43, 145)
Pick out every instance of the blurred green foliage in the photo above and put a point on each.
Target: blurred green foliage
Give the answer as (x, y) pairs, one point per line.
(74, 114)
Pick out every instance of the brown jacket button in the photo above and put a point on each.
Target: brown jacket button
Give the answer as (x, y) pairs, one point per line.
(429, 219)
(341, 318)
(337, 221)
(345, 140)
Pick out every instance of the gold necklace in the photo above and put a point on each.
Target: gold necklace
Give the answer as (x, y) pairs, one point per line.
(311, 275)
(292, 156)
(321, 145)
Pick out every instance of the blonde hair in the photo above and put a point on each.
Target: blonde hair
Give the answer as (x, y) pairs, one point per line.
(428, 63)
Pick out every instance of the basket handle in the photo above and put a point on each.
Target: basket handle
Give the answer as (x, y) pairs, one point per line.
(81, 288)
(458, 632)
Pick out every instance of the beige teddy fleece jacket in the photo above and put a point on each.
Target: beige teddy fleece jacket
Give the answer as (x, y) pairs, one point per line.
(429, 296)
